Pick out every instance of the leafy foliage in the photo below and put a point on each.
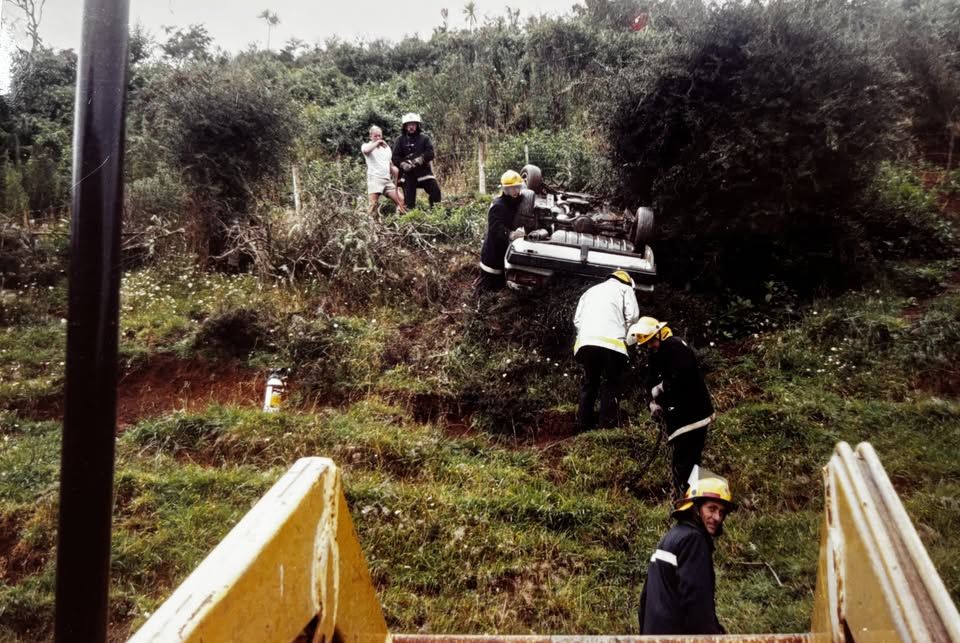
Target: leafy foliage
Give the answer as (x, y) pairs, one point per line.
(923, 37)
(756, 138)
(568, 158)
(226, 131)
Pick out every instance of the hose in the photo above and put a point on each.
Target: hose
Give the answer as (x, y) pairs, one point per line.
(654, 451)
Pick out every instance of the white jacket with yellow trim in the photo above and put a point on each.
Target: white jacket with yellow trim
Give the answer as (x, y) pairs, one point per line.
(604, 314)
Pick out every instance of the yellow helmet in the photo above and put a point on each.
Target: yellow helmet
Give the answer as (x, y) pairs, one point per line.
(646, 328)
(705, 485)
(511, 179)
(623, 277)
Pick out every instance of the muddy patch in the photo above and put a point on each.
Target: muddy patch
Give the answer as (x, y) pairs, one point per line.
(165, 383)
(17, 559)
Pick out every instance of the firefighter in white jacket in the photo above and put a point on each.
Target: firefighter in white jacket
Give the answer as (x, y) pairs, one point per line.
(604, 314)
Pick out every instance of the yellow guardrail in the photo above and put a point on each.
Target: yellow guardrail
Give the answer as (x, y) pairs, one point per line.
(875, 580)
(291, 569)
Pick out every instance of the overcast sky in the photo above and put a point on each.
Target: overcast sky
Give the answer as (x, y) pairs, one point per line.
(233, 24)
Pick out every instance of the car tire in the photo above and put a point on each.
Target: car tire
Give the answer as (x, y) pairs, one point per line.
(526, 216)
(533, 177)
(643, 231)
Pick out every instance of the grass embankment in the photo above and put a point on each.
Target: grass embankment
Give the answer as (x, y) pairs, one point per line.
(473, 519)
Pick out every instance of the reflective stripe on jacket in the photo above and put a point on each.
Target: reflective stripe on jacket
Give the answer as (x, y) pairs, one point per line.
(679, 594)
(685, 399)
(604, 314)
(408, 148)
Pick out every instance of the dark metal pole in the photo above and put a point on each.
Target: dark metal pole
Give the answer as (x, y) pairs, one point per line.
(90, 408)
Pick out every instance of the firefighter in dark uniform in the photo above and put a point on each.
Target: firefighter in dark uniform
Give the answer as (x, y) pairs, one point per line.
(500, 219)
(413, 153)
(680, 396)
(679, 595)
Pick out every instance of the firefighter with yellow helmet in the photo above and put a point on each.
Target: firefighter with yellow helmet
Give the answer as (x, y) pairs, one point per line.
(679, 595)
(680, 395)
(604, 313)
(500, 219)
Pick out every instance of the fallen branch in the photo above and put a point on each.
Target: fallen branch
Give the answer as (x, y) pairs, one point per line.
(764, 563)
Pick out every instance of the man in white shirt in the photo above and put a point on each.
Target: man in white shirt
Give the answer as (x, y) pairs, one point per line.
(380, 170)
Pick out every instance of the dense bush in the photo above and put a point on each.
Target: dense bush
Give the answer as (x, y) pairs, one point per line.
(924, 38)
(32, 256)
(341, 128)
(568, 159)
(902, 219)
(36, 131)
(225, 130)
(153, 209)
(232, 333)
(756, 136)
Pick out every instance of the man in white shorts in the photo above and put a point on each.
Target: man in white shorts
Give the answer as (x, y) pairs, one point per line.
(380, 171)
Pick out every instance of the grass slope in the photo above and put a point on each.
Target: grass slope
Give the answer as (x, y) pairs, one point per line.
(471, 520)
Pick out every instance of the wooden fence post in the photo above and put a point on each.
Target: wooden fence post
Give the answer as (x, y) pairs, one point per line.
(481, 172)
(296, 189)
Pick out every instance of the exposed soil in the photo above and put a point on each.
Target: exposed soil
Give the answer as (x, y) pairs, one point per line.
(948, 201)
(165, 383)
(17, 560)
(553, 426)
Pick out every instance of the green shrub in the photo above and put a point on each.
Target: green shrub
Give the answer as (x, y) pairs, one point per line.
(569, 159)
(756, 136)
(154, 206)
(232, 333)
(334, 358)
(901, 218)
(343, 127)
(226, 131)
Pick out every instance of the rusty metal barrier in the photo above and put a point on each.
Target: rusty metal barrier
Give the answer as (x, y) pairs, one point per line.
(291, 569)
(875, 580)
(533, 638)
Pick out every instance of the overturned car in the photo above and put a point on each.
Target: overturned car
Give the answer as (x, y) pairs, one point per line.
(576, 233)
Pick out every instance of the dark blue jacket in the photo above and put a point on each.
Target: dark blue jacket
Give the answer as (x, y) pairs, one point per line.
(500, 220)
(417, 148)
(679, 595)
(685, 398)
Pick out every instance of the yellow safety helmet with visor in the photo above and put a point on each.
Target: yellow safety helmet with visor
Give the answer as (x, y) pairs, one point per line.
(706, 485)
(646, 328)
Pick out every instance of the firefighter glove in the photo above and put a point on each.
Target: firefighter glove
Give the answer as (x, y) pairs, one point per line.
(656, 391)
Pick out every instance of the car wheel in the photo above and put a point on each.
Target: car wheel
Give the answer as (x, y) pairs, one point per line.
(526, 216)
(533, 177)
(643, 231)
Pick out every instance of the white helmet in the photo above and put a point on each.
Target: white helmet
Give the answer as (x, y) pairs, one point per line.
(410, 117)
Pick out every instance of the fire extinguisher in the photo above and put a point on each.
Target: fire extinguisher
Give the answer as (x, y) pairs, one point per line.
(276, 388)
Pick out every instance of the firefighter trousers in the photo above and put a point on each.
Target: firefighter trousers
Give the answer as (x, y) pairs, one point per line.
(687, 450)
(603, 371)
